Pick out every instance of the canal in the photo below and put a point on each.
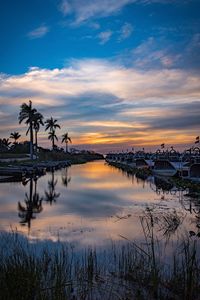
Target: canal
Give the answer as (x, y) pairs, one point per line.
(94, 204)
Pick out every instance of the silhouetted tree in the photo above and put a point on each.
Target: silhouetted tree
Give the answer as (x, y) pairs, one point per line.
(37, 121)
(52, 136)
(6, 143)
(52, 125)
(15, 136)
(27, 114)
(66, 139)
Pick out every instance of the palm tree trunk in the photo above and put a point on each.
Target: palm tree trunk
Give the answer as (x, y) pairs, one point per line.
(66, 147)
(53, 144)
(36, 143)
(31, 141)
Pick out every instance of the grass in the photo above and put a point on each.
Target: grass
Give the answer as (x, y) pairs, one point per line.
(127, 271)
(52, 156)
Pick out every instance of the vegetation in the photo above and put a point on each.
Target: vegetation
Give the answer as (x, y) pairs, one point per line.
(129, 270)
(66, 139)
(52, 125)
(37, 122)
(28, 114)
(15, 136)
(34, 120)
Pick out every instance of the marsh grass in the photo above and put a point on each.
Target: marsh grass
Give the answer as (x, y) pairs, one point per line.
(130, 270)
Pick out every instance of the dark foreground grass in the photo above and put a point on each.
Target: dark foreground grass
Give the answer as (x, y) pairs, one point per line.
(129, 271)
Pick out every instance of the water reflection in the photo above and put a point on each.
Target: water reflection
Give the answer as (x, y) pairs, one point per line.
(94, 203)
(51, 195)
(32, 203)
(66, 179)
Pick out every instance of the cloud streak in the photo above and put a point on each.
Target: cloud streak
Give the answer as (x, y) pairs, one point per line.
(101, 8)
(38, 32)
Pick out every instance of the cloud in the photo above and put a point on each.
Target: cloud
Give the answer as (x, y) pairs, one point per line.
(102, 102)
(125, 31)
(159, 52)
(83, 12)
(93, 9)
(105, 36)
(39, 32)
(65, 7)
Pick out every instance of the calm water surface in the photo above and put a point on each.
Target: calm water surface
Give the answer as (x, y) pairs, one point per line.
(91, 204)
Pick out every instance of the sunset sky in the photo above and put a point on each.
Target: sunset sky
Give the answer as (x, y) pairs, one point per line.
(116, 74)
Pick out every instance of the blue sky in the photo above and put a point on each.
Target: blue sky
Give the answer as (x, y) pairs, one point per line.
(116, 73)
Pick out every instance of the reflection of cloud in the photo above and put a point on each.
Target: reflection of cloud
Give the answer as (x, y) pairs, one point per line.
(93, 204)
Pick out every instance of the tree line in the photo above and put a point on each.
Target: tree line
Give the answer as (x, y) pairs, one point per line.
(34, 120)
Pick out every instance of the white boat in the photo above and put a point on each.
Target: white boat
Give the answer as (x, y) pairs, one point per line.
(165, 167)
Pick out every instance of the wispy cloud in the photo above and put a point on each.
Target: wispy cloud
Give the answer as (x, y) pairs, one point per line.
(125, 31)
(105, 36)
(65, 7)
(93, 9)
(38, 32)
(83, 11)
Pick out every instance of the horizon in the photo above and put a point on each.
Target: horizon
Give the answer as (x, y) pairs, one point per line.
(116, 75)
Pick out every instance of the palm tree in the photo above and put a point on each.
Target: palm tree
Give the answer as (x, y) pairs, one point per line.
(37, 121)
(52, 125)
(15, 136)
(6, 143)
(52, 136)
(66, 139)
(27, 114)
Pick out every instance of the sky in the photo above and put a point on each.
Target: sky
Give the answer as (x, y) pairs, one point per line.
(116, 74)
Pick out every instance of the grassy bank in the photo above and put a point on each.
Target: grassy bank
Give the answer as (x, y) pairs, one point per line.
(50, 156)
(127, 271)
(73, 158)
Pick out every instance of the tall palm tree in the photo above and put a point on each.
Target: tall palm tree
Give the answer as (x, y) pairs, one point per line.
(66, 139)
(37, 121)
(15, 136)
(27, 114)
(52, 125)
(52, 136)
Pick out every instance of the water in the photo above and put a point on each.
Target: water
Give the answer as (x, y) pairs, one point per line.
(93, 204)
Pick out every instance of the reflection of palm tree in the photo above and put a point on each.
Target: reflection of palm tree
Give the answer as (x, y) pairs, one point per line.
(66, 179)
(33, 205)
(51, 195)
